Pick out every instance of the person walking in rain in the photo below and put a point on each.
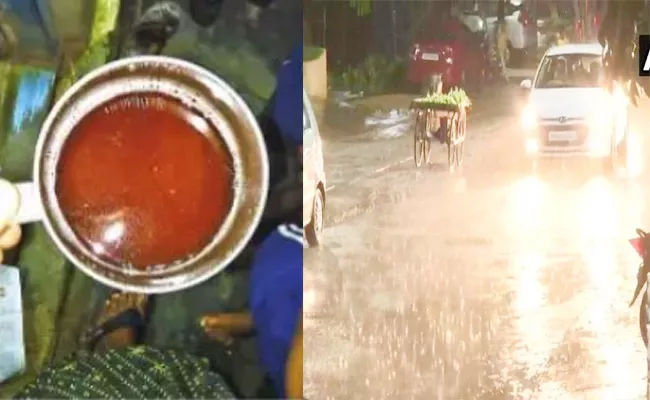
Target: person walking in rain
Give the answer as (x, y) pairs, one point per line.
(502, 39)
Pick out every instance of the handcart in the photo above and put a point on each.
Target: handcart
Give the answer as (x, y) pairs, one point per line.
(435, 122)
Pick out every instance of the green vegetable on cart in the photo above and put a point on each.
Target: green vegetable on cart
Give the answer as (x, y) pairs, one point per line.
(455, 99)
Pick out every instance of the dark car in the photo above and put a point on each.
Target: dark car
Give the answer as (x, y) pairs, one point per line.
(448, 48)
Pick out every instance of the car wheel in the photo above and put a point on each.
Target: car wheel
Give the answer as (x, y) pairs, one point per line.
(314, 230)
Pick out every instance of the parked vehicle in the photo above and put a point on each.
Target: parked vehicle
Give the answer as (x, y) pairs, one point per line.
(522, 30)
(314, 182)
(451, 51)
(570, 112)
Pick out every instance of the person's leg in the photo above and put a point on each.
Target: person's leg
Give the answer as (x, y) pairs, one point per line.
(502, 61)
(118, 323)
(223, 327)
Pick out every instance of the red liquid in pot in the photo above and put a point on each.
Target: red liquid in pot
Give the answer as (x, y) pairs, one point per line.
(142, 186)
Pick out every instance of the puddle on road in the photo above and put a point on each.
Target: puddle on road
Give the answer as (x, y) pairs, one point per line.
(468, 241)
(521, 296)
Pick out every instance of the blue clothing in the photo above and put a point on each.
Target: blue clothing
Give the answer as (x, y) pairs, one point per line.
(286, 108)
(276, 298)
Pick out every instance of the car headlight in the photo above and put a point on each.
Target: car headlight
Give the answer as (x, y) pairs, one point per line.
(528, 117)
(600, 119)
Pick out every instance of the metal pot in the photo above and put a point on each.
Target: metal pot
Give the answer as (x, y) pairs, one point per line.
(193, 86)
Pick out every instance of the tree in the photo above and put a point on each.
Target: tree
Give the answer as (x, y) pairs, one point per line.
(625, 19)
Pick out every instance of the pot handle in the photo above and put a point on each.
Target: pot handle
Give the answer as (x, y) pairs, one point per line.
(19, 203)
(29, 205)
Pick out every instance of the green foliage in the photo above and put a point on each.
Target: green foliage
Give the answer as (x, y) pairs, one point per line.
(94, 57)
(230, 56)
(26, 104)
(6, 100)
(97, 52)
(311, 53)
(43, 267)
(104, 19)
(455, 98)
(362, 7)
(375, 75)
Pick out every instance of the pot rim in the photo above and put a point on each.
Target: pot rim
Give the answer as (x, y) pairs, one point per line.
(231, 117)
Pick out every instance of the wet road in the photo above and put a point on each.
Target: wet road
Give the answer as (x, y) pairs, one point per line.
(488, 283)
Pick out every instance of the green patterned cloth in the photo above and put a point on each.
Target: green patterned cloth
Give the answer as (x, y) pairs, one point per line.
(129, 373)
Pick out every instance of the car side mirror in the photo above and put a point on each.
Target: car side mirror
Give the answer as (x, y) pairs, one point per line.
(526, 84)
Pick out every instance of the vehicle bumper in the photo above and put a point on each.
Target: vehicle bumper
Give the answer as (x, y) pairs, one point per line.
(567, 153)
(591, 148)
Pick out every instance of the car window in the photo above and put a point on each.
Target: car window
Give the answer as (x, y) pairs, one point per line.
(571, 70)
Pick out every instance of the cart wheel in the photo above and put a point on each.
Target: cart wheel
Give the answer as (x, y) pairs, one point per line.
(428, 138)
(419, 138)
(460, 149)
(426, 149)
(460, 146)
(451, 145)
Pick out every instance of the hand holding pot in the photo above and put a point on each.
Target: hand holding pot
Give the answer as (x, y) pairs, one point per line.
(9, 231)
(234, 156)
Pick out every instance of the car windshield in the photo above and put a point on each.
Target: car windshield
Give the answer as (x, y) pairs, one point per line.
(569, 70)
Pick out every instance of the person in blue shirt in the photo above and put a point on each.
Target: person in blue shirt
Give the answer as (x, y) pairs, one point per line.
(281, 123)
(276, 307)
(276, 279)
(276, 291)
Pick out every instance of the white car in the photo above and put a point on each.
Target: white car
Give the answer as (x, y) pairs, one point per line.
(313, 176)
(569, 112)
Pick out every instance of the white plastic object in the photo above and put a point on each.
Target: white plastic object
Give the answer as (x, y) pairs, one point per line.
(19, 203)
(9, 201)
